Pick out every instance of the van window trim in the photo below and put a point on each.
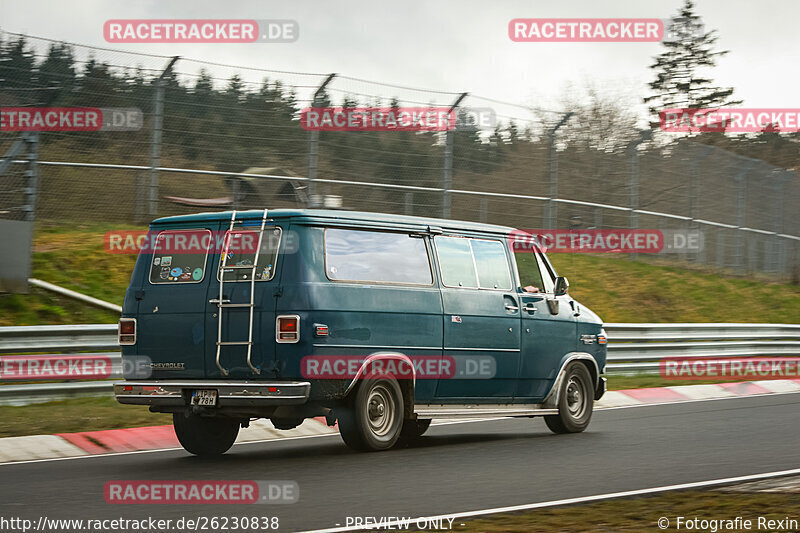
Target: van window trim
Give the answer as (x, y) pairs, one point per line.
(155, 249)
(474, 264)
(409, 234)
(256, 229)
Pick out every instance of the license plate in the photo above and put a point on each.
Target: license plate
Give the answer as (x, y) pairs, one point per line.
(204, 397)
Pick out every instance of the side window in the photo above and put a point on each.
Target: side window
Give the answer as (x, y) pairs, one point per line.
(179, 256)
(241, 245)
(455, 261)
(530, 275)
(492, 264)
(546, 274)
(377, 257)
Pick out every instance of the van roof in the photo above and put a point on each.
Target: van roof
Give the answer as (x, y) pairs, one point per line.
(333, 215)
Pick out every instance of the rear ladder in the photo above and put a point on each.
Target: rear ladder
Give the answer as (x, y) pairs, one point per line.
(223, 304)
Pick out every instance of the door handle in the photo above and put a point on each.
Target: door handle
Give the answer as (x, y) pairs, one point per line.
(510, 307)
(216, 301)
(530, 308)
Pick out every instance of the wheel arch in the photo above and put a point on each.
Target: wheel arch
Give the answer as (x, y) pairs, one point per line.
(584, 358)
(406, 385)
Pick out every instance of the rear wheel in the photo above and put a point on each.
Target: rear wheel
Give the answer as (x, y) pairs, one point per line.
(575, 401)
(204, 435)
(373, 418)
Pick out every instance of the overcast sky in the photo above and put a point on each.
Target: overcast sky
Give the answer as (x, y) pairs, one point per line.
(454, 45)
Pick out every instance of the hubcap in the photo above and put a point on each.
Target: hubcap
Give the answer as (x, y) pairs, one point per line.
(380, 410)
(575, 396)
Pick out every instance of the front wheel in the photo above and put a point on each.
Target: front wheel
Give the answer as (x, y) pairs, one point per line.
(373, 419)
(204, 435)
(575, 401)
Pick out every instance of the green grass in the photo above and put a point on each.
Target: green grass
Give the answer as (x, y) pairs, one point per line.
(617, 289)
(620, 290)
(74, 258)
(75, 414)
(646, 381)
(642, 514)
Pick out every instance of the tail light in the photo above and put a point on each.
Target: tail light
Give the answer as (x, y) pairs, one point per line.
(127, 331)
(287, 328)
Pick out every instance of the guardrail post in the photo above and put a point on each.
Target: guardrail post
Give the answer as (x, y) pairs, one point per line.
(155, 147)
(313, 147)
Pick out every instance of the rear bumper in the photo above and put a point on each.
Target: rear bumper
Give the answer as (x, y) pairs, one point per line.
(229, 393)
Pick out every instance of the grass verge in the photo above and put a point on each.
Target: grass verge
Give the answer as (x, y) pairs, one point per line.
(617, 289)
(642, 514)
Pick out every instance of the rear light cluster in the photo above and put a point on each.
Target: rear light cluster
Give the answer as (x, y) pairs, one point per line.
(287, 328)
(127, 331)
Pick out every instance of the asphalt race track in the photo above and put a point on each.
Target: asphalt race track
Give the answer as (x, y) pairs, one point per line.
(456, 467)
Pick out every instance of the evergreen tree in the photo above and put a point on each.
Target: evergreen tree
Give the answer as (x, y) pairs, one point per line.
(679, 81)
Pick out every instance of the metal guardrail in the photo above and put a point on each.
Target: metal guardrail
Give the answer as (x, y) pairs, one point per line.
(639, 348)
(632, 349)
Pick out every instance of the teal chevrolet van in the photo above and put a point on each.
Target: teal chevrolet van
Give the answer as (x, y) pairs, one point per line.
(378, 323)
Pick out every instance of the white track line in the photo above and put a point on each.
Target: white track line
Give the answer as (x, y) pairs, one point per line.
(570, 501)
(284, 439)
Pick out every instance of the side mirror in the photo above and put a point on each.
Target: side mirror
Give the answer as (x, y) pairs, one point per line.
(562, 286)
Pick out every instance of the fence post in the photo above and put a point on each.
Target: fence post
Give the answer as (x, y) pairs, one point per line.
(447, 174)
(551, 216)
(313, 146)
(155, 147)
(741, 205)
(409, 203)
(484, 210)
(778, 242)
(633, 185)
(32, 175)
(694, 191)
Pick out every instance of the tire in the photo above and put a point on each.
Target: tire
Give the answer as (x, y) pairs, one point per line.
(412, 430)
(205, 436)
(575, 401)
(373, 418)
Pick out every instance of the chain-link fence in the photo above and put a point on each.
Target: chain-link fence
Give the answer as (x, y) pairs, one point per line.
(215, 137)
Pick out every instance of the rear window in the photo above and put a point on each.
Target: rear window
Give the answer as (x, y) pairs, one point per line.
(172, 261)
(376, 257)
(241, 254)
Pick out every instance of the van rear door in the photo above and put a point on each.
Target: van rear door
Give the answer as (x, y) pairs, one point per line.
(173, 299)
